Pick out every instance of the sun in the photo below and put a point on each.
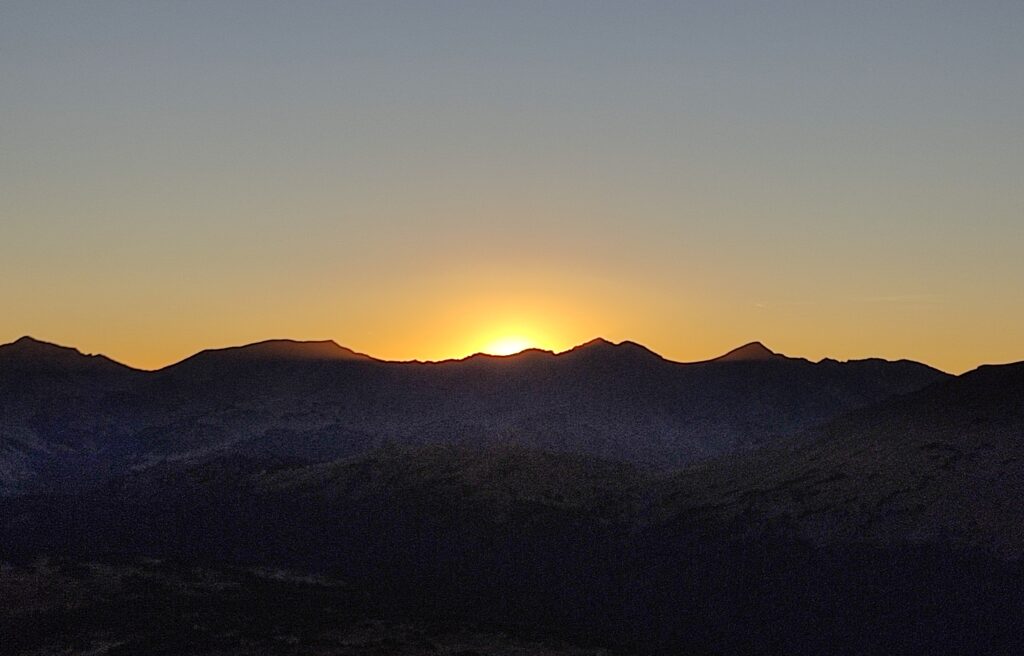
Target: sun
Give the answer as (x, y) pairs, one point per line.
(508, 345)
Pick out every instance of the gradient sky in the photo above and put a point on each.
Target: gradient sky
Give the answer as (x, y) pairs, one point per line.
(418, 180)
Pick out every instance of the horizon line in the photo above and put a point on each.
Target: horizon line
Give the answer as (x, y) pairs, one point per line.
(596, 341)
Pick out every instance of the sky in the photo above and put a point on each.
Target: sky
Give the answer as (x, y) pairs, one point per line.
(426, 180)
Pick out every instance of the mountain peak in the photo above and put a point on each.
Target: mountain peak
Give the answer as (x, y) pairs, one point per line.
(25, 348)
(29, 342)
(31, 352)
(596, 343)
(752, 352)
(600, 345)
(285, 349)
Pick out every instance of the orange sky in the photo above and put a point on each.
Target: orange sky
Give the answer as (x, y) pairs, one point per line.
(433, 318)
(420, 180)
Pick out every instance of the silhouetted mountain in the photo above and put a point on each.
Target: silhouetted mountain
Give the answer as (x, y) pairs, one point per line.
(60, 414)
(319, 402)
(748, 352)
(602, 348)
(28, 354)
(275, 350)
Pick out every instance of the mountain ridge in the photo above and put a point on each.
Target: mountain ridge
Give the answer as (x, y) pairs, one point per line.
(27, 347)
(29, 351)
(70, 426)
(278, 350)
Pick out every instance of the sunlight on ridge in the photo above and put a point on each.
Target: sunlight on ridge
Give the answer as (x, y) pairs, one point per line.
(508, 345)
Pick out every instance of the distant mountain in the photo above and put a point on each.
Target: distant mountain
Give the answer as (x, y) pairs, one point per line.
(754, 351)
(318, 401)
(276, 350)
(31, 354)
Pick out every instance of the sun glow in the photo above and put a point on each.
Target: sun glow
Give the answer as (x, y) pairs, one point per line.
(508, 345)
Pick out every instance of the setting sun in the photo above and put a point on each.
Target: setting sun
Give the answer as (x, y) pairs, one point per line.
(508, 346)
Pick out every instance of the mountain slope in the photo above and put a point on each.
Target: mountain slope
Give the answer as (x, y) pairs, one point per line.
(945, 465)
(555, 542)
(59, 413)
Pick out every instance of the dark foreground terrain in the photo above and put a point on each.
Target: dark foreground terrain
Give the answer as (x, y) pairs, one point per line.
(562, 548)
(891, 526)
(152, 607)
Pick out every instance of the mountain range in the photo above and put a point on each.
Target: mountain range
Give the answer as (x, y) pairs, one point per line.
(69, 419)
(750, 504)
